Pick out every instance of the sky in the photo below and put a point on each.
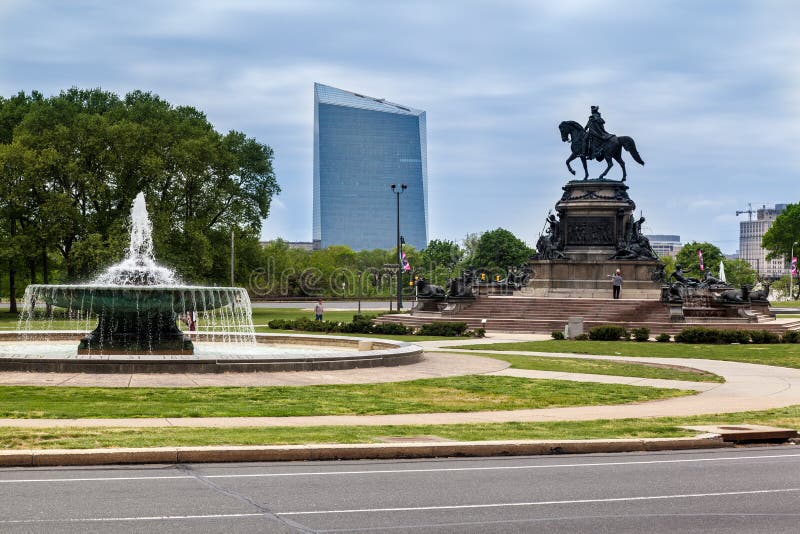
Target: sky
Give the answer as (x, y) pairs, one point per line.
(710, 91)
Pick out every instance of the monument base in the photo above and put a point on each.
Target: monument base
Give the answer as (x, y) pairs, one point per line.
(591, 279)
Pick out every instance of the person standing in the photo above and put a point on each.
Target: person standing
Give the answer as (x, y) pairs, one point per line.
(318, 311)
(616, 283)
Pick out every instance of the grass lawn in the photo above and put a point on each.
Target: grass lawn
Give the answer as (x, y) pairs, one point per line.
(786, 304)
(83, 438)
(261, 316)
(604, 367)
(781, 355)
(456, 394)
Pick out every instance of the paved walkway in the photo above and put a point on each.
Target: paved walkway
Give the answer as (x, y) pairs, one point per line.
(747, 387)
(433, 366)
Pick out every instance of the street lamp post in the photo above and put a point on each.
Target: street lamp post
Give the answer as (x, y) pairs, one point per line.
(398, 191)
(791, 277)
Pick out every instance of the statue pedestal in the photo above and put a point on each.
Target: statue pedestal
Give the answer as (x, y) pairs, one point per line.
(590, 279)
(595, 219)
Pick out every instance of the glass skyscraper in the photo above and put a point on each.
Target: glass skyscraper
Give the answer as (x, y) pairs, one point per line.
(362, 145)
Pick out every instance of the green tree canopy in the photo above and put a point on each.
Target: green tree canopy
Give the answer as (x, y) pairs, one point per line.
(71, 165)
(738, 272)
(783, 233)
(442, 253)
(499, 249)
(688, 259)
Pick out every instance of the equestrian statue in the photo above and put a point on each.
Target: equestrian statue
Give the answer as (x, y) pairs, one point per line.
(594, 142)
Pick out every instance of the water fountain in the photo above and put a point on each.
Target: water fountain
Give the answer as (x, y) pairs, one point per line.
(137, 303)
(127, 322)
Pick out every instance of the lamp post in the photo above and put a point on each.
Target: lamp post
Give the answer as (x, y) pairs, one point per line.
(791, 277)
(398, 191)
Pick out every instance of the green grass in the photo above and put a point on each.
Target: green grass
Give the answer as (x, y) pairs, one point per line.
(604, 367)
(664, 427)
(456, 394)
(785, 304)
(781, 355)
(261, 316)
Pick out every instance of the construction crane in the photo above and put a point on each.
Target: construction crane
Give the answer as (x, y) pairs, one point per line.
(749, 211)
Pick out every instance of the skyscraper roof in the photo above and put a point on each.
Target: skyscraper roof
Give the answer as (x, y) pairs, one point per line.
(339, 97)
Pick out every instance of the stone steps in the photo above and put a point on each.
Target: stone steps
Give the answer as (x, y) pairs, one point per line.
(544, 315)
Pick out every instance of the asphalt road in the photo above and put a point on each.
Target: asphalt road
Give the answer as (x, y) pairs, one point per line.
(733, 490)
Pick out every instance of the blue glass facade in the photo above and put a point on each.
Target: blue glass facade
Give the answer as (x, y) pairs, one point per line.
(362, 145)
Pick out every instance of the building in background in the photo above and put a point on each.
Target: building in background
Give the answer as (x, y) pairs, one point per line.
(750, 249)
(665, 245)
(362, 145)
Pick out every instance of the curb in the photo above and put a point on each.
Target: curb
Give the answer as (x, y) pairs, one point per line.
(379, 451)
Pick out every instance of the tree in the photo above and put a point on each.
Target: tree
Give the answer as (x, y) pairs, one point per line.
(783, 233)
(470, 245)
(499, 249)
(689, 260)
(739, 271)
(442, 254)
(71, 165)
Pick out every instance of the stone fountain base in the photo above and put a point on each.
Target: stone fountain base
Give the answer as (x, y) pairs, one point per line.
(136, 333)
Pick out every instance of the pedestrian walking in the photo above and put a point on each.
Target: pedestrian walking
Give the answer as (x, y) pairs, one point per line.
(616, 283)
(318, 311)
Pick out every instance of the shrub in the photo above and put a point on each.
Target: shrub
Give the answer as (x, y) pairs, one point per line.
(698, 334)
(280, 324)
(391, 329)
(792, 336)
(582, 337)
(361, 324)
(764, 337)
(607, 332)
(734, 336)
(477, 332)
(557, 334)
(641, 334)
(663, 337)
(446, 329)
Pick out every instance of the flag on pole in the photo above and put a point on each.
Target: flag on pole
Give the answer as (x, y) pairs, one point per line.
(404, 262)
(794, 266)
(700, 256)
(722, 272)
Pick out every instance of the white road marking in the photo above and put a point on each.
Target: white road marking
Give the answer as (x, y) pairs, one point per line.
(401, 509)
(402, 471)
(538, 503)
(112, 519)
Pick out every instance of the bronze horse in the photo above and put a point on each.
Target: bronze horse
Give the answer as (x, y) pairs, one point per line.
(612, 149)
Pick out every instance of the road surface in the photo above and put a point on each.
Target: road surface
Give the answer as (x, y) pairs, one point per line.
(728, 490)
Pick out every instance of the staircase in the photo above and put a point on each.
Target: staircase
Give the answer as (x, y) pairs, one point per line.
(543, 315)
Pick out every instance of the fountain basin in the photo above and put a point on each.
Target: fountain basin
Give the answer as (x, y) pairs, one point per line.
(136, 319)
(91, 298)
(24, 351)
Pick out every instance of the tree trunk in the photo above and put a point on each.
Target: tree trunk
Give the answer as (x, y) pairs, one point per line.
(45, 266)
(12, 288)
(12, 275)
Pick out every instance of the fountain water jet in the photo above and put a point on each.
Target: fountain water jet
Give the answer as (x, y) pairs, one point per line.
(137, 303)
